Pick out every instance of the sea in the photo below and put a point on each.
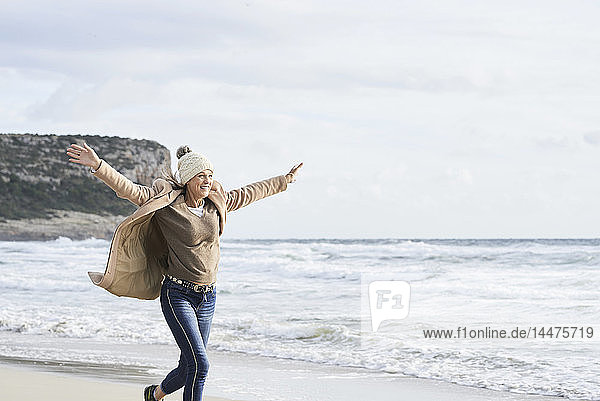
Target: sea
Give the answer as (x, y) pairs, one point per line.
(304, 300)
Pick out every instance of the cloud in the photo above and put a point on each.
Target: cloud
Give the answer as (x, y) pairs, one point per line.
(592, 138)
(75, 100)
(459, 175)
(427, 106)
(554, 142)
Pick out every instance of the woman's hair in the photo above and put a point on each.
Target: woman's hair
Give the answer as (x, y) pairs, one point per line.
(167, 173)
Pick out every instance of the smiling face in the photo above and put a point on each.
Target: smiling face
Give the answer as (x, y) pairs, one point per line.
(199, 186)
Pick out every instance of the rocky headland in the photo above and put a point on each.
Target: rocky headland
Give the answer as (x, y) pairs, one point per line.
(43, 196)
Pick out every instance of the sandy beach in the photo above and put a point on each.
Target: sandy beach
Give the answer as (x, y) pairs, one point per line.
(72, 224)
(32, 381)
(28, 384)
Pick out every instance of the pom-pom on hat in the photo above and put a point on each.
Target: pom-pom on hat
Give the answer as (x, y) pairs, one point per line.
(191, 163)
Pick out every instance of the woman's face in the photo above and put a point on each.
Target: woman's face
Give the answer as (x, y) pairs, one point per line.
(199, 185)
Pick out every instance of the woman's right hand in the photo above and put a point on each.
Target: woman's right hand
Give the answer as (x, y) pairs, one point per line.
(291, 176)
(83, 155)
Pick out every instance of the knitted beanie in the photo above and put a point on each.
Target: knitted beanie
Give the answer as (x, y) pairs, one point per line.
(191, 163)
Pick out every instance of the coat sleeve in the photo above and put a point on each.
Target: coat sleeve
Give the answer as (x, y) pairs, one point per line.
(245, 195)
(123, 186)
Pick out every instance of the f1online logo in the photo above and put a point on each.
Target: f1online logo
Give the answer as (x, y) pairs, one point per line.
(388, 300)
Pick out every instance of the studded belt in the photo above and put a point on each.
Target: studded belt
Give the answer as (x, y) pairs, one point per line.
(192, 285)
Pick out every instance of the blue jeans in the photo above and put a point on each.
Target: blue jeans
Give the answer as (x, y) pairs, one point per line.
(189, 316)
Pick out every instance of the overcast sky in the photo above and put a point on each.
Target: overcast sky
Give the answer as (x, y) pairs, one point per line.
(415, 119)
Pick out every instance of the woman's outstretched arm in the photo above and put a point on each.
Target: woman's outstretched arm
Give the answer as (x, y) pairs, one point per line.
(247, 194)
(123, 186)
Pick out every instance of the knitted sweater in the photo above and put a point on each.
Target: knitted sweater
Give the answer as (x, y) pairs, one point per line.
(193, 240)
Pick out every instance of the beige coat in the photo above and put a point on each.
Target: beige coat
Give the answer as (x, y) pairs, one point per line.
(138, 251)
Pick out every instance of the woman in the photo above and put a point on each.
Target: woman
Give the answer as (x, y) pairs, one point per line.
(170, 247)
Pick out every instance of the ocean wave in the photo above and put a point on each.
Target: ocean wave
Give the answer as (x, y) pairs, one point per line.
(299, 299)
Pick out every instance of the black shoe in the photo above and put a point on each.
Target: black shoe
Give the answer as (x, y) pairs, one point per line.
(149, 393)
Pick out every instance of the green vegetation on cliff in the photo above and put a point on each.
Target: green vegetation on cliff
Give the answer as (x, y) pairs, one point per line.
(37, 177)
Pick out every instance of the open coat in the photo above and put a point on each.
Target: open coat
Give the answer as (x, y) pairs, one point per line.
(138, 254)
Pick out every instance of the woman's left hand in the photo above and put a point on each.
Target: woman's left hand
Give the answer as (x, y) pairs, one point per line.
(291, 176)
